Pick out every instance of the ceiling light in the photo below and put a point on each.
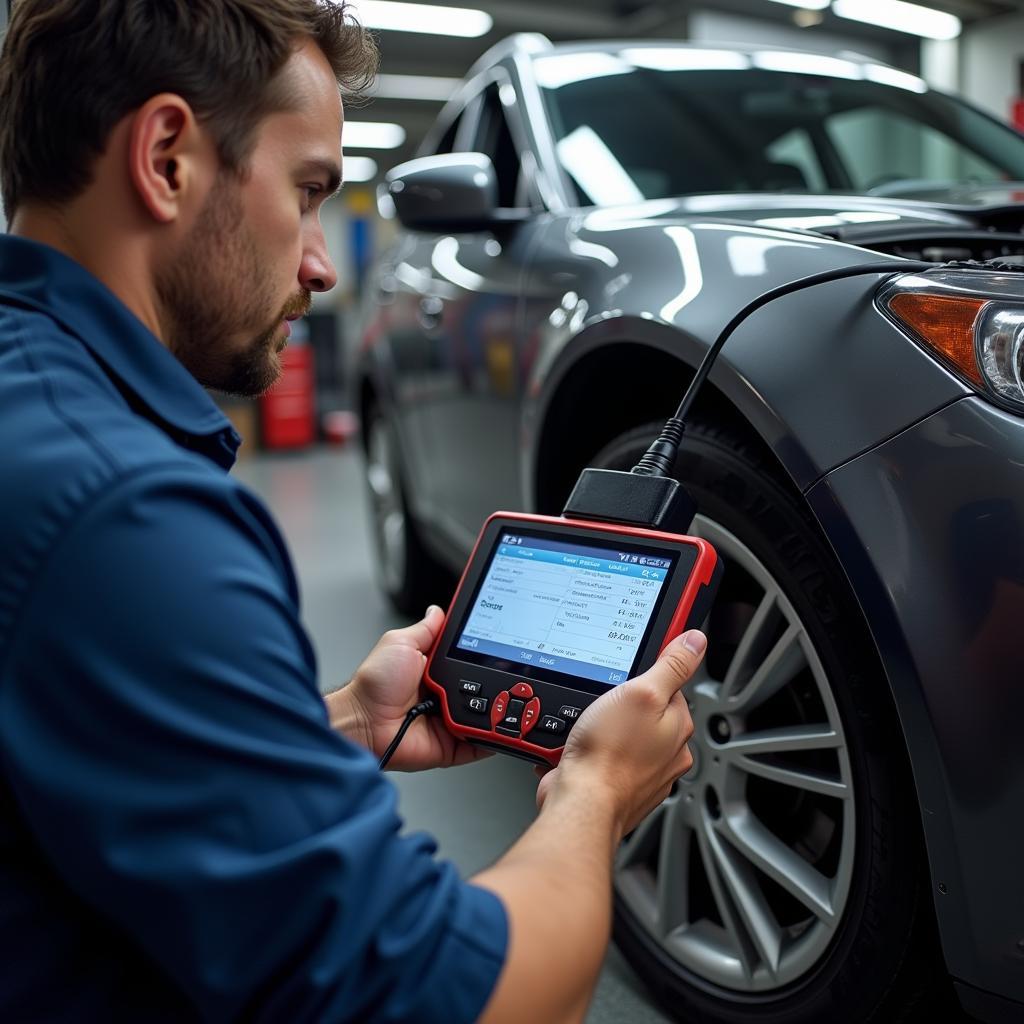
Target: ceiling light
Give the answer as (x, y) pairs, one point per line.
(807, 5)
(372, 135)
(429, 18)
(414, 87)
(359, 168)
(900, 17)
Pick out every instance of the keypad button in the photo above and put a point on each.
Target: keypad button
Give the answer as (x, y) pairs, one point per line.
(468, 686)
(514, 716)
(569, 712)
(477, 704)
(524, 690)
(498, 707)
(551, 724)
(530, 714)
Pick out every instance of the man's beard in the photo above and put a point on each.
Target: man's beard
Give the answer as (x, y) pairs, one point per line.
(215, 290)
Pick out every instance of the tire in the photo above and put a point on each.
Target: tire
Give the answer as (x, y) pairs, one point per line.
(407, 574)
(751, 895)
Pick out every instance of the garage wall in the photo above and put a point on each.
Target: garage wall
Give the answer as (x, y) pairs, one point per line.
(989, 56)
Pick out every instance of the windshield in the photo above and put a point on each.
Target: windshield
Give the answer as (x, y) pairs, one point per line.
(648, 123)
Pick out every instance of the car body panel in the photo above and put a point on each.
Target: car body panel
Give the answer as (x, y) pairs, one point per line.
(939, 571)
(787, 383)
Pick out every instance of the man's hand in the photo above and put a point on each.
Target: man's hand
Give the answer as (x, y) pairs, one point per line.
(631, 742)
(371, 708)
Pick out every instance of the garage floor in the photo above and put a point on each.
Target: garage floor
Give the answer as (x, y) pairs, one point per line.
(318, 500)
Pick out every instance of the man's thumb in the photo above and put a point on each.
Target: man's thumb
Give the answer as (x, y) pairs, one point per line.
(679, 660)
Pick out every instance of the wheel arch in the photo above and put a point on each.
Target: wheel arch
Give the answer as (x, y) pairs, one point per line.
(565, 440)
(588, 373)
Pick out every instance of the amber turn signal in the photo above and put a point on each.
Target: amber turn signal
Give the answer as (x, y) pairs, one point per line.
(946, 324)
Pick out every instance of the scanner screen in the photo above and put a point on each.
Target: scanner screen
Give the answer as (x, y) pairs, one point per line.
(577, 609)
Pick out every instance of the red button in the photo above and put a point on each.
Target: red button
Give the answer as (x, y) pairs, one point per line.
(522, 690)
(530, 714)
(498, 707)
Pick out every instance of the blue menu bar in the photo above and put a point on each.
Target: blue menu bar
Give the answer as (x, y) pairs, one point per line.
(578, 561)
(523, 656)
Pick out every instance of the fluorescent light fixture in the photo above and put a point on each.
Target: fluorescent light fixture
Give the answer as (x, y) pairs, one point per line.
(372, 135)
(900, 17)
(806, 64)
(890, 76)
(414, 87)
(429, 18)
(585, 156)
(678, 58)
(359, 168)
(807, 5)
(563, 68)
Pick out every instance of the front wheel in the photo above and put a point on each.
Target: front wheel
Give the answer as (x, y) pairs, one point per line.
(783, 880)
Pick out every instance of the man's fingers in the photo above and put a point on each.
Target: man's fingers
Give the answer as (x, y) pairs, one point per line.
(420, 635)
(678, 662)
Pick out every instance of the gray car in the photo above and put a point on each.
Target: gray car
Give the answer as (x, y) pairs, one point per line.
(580, 225)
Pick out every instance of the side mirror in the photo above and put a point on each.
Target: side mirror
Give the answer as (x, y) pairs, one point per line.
(449, 193)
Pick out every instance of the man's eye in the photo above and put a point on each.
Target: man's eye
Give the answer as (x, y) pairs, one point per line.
(310, 192)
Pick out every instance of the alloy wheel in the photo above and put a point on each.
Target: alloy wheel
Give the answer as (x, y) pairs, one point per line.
(742, 874)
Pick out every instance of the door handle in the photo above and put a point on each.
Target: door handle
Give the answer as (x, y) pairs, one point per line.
(431, 312)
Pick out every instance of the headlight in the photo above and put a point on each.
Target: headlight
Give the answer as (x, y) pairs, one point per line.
(973, 320)
(1001, 350)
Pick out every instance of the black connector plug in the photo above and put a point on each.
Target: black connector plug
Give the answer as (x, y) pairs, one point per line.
(634, 499)
(645, 496)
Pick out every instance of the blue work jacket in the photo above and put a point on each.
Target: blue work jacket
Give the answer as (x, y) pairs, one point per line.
(182, 835)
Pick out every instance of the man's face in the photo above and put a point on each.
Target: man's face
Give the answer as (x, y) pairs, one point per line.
(256, 251)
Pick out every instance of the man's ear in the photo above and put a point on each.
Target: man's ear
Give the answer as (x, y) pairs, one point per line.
(167, 151)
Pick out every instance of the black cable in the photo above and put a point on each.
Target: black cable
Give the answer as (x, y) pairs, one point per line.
(659, 458)
(427, 707)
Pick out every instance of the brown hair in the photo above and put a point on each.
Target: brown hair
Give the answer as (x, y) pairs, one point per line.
(70, 70)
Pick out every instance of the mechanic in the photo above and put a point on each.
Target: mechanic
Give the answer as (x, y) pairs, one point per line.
(187, 829)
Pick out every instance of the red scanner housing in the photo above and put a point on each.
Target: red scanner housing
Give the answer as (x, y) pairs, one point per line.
(548, 616)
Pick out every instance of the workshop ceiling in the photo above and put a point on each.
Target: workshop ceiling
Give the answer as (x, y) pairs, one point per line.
(408, 53)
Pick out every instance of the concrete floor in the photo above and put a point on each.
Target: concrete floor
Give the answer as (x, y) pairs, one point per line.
(318, 500)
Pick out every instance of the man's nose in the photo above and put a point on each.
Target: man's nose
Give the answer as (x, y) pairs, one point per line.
(316, 272)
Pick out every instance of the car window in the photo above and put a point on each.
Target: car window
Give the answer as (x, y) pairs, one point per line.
(794, 158)
(626, 131)
(883, 146)
(494, 138)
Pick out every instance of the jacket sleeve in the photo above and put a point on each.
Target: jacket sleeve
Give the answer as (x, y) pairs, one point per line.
(164, 738)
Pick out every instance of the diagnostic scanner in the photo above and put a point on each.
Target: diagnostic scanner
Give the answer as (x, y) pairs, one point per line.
(552, 612)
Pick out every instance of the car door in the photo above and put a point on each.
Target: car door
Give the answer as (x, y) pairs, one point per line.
(405, 292)
(471, 325)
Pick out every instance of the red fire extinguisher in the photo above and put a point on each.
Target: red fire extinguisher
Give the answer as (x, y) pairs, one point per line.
(1017, 105)
(288, 409)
